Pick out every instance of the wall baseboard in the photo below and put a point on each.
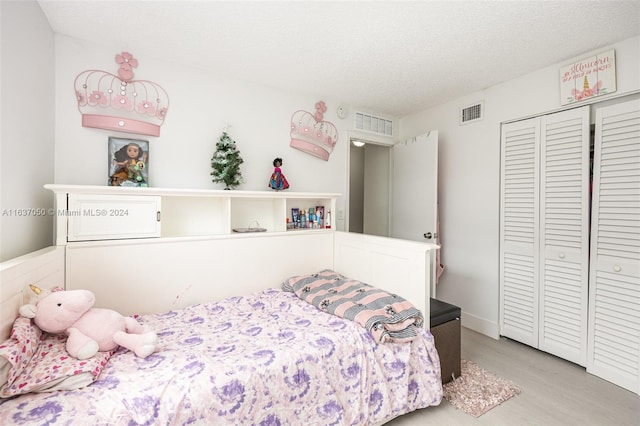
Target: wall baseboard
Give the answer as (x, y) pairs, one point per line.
(481, 325)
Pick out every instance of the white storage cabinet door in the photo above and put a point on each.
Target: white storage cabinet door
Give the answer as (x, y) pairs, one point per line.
(111, 217)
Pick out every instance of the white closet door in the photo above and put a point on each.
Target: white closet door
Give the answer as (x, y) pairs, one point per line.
(614, 298)
(564, 234)
(519, 240)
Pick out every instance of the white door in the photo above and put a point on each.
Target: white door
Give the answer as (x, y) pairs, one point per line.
(564, 234)
(544, 224)
(614, 281)
(519, 236)
(414, 193)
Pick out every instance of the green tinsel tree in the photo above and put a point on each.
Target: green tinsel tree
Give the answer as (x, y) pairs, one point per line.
(226, 162)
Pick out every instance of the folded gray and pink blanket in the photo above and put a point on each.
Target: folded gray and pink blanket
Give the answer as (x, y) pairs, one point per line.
(387, 316)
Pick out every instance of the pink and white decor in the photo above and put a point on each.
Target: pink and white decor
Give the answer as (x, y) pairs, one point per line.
(118, 102)
(311, 134)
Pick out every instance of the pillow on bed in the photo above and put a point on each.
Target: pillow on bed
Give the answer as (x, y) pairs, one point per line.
(327, 274)
(33, 361)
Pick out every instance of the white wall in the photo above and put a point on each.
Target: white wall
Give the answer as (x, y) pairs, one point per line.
(201, 104)
(27, 129)
(469, 178)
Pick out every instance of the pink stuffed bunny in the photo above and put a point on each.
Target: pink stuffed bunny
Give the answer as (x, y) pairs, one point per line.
(89, 329)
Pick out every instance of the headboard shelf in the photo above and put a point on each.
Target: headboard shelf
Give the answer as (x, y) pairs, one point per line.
(85, 212)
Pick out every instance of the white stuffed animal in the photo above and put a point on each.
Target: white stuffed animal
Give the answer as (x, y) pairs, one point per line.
(89, 329)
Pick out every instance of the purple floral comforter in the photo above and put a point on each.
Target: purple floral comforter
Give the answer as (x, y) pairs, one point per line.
(265, 359)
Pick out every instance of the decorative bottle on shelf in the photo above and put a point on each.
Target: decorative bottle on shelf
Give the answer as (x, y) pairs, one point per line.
(320, 216)
(327, 220)
(311, 218)
(303, 219)
(295, 217)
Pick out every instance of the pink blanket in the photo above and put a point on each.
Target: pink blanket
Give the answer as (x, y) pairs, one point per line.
(387, 316)
(34, 361)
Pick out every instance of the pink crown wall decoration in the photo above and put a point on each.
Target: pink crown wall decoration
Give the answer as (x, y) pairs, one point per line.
(118, 102)
(311, 134)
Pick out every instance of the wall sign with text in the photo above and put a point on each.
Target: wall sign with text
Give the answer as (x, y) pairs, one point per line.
(588, 78)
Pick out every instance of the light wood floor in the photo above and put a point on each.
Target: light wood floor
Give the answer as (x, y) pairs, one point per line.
(553, 391)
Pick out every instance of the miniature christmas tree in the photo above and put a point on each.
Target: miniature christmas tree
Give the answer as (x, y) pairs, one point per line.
(226, 162)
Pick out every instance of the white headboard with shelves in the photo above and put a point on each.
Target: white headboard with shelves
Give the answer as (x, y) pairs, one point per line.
(136, 272)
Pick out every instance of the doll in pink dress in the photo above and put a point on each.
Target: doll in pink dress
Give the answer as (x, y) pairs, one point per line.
(278, 181)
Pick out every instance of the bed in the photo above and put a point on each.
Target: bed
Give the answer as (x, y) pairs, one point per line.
(264, 356)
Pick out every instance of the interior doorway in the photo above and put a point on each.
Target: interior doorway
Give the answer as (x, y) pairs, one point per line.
(369, 187)
(393, 188)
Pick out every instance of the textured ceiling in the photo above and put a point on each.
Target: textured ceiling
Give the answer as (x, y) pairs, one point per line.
(389, 57)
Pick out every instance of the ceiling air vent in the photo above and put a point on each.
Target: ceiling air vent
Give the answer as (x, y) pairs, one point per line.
(371, 123)
(472, 113)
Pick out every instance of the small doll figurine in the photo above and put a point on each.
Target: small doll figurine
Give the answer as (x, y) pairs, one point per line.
(278, 181)
(128, 165)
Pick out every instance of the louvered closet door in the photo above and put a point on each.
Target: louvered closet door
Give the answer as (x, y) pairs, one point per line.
(519, 231)
(564, 234)
(614, 298)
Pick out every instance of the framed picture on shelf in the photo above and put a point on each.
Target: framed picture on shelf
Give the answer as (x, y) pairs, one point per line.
(128, 162)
